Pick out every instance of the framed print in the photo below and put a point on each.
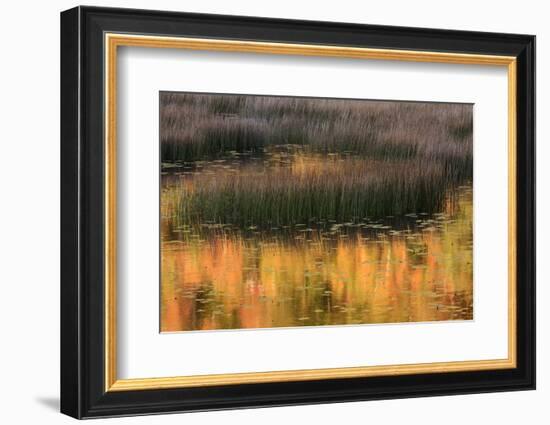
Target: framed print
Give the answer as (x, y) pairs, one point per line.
(261, 212)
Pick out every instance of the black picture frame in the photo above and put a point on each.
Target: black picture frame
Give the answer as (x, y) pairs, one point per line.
(83, 392)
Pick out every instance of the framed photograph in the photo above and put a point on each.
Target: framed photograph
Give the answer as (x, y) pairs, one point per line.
(261, 212)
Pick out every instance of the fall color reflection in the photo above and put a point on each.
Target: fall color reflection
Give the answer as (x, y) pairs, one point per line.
(363, 273)
(288, 211)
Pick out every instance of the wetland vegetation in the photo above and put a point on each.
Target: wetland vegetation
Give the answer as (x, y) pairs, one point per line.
(285, 211)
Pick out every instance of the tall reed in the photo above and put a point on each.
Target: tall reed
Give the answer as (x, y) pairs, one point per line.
(338, 190)
(344, 158)
(200, 126)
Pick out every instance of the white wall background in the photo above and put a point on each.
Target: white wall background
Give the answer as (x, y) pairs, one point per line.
(29, 213)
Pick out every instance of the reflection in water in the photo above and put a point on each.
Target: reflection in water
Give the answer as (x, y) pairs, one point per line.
(288, 211)
(400, 269)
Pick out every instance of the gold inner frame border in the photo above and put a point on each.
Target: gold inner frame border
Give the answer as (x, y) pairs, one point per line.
(111, 43)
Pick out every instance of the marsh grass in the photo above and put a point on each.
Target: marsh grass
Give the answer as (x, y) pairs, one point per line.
(201, 126)
(299, 212)
(336, 190)
(261, 161)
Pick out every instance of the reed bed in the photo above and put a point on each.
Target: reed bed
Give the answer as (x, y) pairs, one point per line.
(325, 159)
(338, 190)
(200, 126)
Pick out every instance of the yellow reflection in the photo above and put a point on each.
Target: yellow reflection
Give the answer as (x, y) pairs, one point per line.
(420, 271)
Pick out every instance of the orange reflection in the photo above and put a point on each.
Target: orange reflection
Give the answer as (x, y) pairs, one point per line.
(355, 275)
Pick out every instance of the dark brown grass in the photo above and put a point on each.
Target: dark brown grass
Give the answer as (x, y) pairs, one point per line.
(371, 158)
(200, 126)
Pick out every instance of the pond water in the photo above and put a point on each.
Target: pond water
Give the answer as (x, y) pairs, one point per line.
(221, 275)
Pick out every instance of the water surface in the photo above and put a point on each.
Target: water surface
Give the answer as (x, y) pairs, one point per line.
(220, 275)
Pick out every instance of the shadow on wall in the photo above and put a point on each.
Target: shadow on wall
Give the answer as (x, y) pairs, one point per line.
(49, 402)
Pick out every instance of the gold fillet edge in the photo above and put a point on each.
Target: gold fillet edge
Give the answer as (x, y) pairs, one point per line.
(512, 212)
(112, 41)
(306, 375)
(303, 49)
(110, 214)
